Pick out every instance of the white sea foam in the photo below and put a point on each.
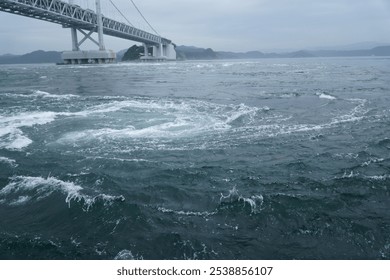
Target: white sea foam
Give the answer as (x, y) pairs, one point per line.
(371, 161)
(117, 159)
(278, 124)
(41, 94)
(169, 119)
(346, 155)
(27, 119)
(11, 135)
(185, 119)
(349, 175)
(8, 161)
(325, 96)
(255, 201)
(170, 129)
(352, 174)
(13, 138)
(355, 115)
(20, 200)
(144, 105)
(243, 110)
(38, 188)
(124, 255)
(127, 255)
(379, 177)
(186, 213)
(204, 65)
(44, 94)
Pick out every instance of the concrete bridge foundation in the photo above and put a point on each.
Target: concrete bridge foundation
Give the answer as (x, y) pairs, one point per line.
(160, 52)
(88, 57)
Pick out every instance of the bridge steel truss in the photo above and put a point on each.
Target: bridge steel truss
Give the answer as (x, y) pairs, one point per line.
(73, 16)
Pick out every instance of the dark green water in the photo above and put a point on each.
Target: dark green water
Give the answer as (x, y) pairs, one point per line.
(266, 159)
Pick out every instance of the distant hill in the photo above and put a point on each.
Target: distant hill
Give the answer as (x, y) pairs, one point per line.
(378, 51)
(381, 51)
(41, 57)
(200, 53)
(233, 55)
(195, 53)
(33, 57)
(353, 47)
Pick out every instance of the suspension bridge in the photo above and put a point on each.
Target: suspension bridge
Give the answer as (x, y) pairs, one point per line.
(85, 21)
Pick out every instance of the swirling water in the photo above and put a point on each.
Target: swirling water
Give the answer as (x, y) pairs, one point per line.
(264, 159)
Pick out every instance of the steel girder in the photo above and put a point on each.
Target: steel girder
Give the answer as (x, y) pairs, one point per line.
(68, 15)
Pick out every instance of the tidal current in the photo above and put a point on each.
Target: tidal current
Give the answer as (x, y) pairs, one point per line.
(263, 159)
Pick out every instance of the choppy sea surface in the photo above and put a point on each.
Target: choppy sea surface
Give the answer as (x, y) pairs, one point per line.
(264, 159)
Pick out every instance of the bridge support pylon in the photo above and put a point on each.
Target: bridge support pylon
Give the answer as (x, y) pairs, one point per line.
(160, 52)
(77, 56)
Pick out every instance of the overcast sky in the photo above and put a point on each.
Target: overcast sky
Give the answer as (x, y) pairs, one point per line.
(224, 25)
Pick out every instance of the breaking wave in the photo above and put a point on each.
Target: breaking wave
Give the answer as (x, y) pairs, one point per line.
(21, 190)
(44, 94)
(235, 200)
(41, 94)
(325, 96)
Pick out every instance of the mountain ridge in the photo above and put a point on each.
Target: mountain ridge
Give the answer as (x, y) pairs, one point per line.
(196, 53)
(376, 51)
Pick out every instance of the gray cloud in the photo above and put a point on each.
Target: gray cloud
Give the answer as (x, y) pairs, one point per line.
(223, 24)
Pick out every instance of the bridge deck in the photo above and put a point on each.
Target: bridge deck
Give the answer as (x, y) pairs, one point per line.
(68, 15)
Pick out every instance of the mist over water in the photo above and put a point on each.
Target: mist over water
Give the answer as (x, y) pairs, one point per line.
(265, 159)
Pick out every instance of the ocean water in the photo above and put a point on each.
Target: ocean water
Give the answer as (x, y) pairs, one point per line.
(263, 159)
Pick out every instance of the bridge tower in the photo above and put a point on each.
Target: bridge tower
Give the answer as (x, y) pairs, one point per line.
(77, 56)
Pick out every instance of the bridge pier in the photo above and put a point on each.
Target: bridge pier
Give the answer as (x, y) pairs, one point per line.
(146, 51)
(76, 56)
(88, 57)
(75, 45)
(160, 52)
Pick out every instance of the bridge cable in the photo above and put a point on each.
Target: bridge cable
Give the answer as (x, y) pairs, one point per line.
(144, 18)
(121, 13)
